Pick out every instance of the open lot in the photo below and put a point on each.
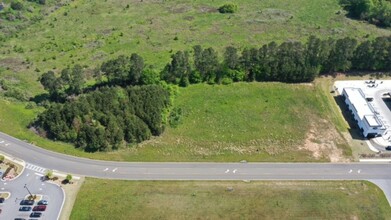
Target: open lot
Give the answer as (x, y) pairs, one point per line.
(230, 200)
(243, 121)
(252, 121)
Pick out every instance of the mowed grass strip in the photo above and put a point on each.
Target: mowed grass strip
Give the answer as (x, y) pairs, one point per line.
(110, 199)
(242, 121)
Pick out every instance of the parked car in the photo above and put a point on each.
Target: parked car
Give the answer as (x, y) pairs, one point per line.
(27, 202)
(2, 200)
(39, 208)
(19, 219)
(25, 209)
(35, 214)
(43, 202)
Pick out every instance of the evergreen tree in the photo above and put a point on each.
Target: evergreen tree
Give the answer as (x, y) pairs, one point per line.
(136, 69)
(231, 58)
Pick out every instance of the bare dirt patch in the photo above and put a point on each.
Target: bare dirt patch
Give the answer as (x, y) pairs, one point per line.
(270, 15)
(179, 9)
(322, 140)
(13, 64)
(207, 9)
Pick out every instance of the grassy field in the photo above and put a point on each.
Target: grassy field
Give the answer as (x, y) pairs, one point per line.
(231, 126)
(243, 121)
(88, 32)
(251, 121)
(230, 200)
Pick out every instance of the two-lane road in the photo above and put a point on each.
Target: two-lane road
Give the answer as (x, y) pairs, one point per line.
(192, 171)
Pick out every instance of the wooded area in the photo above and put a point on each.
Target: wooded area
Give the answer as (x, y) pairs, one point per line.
(375, 11)
(105, 119)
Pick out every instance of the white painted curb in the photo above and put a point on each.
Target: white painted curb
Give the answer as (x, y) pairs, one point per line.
(15, 160)
(375, 160)
(63, 202)
(371, 147)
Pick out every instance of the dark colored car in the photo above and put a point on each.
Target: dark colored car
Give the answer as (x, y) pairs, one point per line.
(19, 219)
(388, 148)
(27, 202)
(43, 202)
(39, 208)
(35, 215)
(2, 200)
(25, 209)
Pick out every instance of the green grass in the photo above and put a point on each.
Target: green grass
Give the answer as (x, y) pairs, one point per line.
(242, 121)
(251, 121)
(88, 32)
(109, 199)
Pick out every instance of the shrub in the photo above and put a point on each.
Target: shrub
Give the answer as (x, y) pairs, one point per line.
(16, 5)
(2, 158)
(226, 81)
(67, 179)
(175, 117)
(49, 174)
(228, 8)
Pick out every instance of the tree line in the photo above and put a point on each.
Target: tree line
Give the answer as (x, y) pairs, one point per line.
(290, 61)
(107, 118)
(375, 11)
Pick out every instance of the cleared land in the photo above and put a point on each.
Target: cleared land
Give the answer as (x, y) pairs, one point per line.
(87, 32)
(230, 200)
(243, 121)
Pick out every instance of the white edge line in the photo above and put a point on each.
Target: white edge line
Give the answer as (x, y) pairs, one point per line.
(62, 205)
(38, 174)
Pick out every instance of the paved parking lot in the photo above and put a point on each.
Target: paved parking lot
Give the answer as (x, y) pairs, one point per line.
(33, 180)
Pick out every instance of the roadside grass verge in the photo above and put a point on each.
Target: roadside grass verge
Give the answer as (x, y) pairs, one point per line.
(116, 199)
(241, 121)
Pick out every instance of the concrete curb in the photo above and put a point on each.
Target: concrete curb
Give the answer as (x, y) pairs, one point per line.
(9, 194)
(14, 160)
(375, 160)
(64, 175)
(384, 185)
(371, 147)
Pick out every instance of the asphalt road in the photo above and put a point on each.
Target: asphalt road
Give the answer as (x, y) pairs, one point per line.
(192, 171)
(379, 173)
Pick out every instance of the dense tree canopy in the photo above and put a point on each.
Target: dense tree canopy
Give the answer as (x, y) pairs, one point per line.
(374, 11)
(107, 118)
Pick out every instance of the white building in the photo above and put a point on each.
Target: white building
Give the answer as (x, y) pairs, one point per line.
(363, 112)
